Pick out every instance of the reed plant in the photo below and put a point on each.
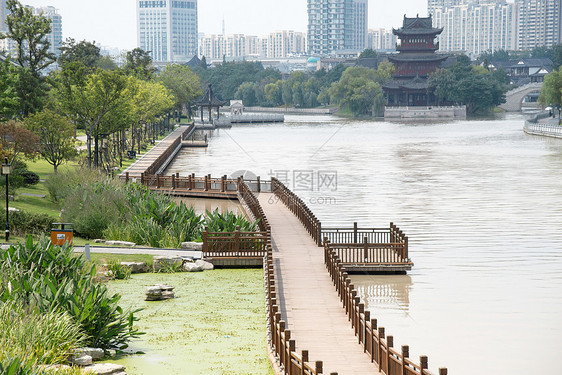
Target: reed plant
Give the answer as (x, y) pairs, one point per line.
(46, 278)
(228, 221)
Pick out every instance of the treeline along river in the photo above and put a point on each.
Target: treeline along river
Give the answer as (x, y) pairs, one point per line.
(480, 201)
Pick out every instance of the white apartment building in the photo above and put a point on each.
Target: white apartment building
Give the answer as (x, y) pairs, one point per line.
(337, 25)
(280, 44)
(55, 36)
(168, 29)
(381, 40)
(539, 23)
(476, 26)
(286, 43)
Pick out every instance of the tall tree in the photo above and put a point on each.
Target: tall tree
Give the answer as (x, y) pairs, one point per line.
(551, 92)
(56, 142)
(182, 82)
(29, 35)
(91, 99)
(85, 52)
(9, 100)
(139, 64)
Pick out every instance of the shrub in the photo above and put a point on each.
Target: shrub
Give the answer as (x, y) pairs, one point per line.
(30, 178)
(23, 223)
(118, 271)
(228, 222)
(51, 278)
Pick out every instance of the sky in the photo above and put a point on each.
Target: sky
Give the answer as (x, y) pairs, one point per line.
(112, 23)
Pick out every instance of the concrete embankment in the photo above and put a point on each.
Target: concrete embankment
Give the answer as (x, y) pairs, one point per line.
(543, 124)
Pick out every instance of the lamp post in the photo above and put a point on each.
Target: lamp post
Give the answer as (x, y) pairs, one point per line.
(6, 172)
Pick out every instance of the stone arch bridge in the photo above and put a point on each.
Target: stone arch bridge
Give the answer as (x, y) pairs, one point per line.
(514, 98)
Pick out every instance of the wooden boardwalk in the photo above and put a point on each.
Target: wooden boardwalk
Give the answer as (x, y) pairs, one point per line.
(308, 299)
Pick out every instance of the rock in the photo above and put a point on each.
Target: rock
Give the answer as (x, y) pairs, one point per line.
(54, 368)
(136, 267)
(99, 240)
(191, 267)
(205, 266)
(106, 369)
(120, 243)
(198, 246)
(13, 209)
(159, 292)
(95, 353)
(83, 360)
(162, 262)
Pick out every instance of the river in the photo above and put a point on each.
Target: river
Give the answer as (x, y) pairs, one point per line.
(480, 201)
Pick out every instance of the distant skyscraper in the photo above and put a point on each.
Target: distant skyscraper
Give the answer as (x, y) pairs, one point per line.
(3, 15)
(381, 39)
(168, 29)
(539, 23)
(337, 25)
(55, 36)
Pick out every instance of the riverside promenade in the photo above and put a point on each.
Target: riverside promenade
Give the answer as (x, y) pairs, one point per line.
(309, 302)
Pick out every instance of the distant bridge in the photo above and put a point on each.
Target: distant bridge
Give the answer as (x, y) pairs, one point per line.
(514, 98)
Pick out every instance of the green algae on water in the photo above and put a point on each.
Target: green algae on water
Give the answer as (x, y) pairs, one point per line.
(215, 325)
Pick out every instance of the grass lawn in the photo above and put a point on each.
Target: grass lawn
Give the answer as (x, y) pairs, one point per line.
(105, 258)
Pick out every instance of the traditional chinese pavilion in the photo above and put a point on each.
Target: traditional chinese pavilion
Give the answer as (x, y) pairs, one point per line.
(414, 62)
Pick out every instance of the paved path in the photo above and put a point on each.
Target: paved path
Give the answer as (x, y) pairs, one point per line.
(140, 250)
(309, 301)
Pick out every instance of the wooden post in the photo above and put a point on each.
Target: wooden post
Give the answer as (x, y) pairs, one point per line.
(205, 240)
(189, 181)
(259, 184)
(405, 355)
(442, 371)
(367, 319)
(304, 358)
(192, 181)
(389, 344)
(355, 232)
(318, 368)
(142, 178)
(158, 181)
(405, 255)
(126, 176)
(173, 181)
(237, 240)
(381, 336)
(373, 335)
(223, 183)
(423, 364)
(365, 249)
(292, 347)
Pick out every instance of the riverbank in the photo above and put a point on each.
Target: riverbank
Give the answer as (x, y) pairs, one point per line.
(543, 124)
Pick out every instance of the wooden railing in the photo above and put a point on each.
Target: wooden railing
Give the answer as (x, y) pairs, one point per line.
(172, 148)
(234, 244)
(299, 208)
(282, 345)
(371, 253)
(206, 183)
(376, 344)
(358, 235)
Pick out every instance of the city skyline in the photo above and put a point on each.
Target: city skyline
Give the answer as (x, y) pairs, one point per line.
(108, 21)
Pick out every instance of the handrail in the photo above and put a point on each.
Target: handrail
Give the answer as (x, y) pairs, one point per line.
(299, 208)
(369, 335)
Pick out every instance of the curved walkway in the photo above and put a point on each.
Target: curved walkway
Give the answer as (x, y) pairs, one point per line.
(309, 302)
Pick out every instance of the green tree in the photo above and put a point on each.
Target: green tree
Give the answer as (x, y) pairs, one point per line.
(247, 93)
(368, 53)
(203, 63)
(139, 64)
(85, 52)
(475, 86)
(29, 35)
(357, 89)
(9, 100)
(91, 99)
(551, 92)
(182, 82)
(56, 142)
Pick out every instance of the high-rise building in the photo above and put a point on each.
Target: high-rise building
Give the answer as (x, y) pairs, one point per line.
(381, 40)
(168, 29)
(337, 25)
(475, 26)
(281, 44)
(3, 14)
(539, 23)
(55, 36)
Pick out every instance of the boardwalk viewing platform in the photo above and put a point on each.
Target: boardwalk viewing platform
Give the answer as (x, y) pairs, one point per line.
(316, 321)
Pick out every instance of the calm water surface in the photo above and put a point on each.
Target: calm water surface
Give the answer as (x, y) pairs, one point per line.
(480, 201)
